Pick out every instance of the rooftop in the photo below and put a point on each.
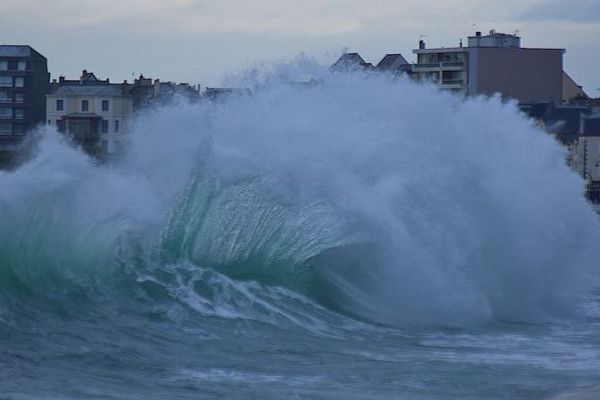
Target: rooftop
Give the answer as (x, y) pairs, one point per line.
(109, 90)
(350, 61)
(392, 61)
(86, 85)
(442, 50)
(496, 40)
(11, 50)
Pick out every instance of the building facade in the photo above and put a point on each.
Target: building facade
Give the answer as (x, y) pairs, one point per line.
(93, 113)
(147, 93)
(24, 81)
(585, 154)
(494, 63)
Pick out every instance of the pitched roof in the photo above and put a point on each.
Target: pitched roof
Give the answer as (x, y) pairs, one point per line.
(85, 90)
(392, 62)
(349, 61)
(12, 50)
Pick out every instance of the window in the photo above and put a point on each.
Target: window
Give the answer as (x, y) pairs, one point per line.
(5, 128)
(49, 122)
(21, 66)
(85, 105)
(104, 126)
(5, 97)
(6, 81)
(19, 129)
(19, 82)
(104, 105)
(19, 113)
(6, 113)
(116, 126)
(60, 105)
(3, 65)
(105, 146)
(19, 98)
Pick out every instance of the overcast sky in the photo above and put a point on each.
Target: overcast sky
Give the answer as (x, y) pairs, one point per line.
(197, 41)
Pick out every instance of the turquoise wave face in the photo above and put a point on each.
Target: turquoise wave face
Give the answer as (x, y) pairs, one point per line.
(371, 197)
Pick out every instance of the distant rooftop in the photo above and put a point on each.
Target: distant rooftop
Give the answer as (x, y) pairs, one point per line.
(110, 90)
(10, 50)
(492, 40)
(495, 39)
(86, 85)
(392, 62)
(350, 61)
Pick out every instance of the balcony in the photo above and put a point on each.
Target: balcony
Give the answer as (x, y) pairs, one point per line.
(453, 82)
(453, 85)
(445, 66)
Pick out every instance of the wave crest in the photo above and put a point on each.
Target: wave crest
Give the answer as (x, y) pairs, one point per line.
(376, 197)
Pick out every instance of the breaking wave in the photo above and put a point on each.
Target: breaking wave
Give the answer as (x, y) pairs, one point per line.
(363, 195)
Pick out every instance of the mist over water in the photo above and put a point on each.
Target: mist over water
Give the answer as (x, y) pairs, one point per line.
(324, 208)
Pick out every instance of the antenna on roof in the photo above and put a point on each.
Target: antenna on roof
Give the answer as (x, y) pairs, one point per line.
(422, 36)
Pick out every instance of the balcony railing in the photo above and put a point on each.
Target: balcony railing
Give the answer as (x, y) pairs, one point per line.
(452, 82)
(440, 64)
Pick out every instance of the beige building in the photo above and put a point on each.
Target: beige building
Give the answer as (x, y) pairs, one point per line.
(494, 63)
(93, 113)
(586, 157)
(571, 90)
(586, 150)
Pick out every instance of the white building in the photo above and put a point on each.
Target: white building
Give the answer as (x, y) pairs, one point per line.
(93, 113)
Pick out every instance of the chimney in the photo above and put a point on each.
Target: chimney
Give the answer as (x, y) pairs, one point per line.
(478, 34)
(61, 79)
(421, 45)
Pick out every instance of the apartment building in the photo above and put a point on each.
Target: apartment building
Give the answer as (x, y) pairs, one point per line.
(24, 81)
(94, 113)
(494, 63)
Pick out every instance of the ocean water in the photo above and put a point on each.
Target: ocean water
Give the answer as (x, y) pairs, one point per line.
(358, 238)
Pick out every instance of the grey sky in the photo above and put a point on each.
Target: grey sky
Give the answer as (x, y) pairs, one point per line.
(199, 40)
(563, 10)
